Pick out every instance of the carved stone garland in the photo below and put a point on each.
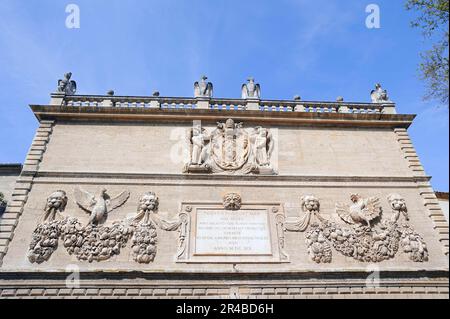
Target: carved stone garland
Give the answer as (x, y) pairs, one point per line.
(367, 238)
(145, 237)
(45, 237)
(361, 240)
(95, 242)
(44, 242)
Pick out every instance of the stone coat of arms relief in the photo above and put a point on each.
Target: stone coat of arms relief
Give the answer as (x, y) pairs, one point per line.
(230, 149)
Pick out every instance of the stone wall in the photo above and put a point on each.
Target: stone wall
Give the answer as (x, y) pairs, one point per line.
(330, 162)
(8, 176)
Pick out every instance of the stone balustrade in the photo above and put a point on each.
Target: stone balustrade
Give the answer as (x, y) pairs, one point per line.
(221, 104)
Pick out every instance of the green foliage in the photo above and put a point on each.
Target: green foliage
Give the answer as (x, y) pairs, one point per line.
(433, 20)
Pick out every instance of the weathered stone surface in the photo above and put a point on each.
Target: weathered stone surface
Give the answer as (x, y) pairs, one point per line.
(395, 221)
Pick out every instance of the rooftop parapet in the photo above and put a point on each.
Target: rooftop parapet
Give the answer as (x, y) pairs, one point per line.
(203, 99)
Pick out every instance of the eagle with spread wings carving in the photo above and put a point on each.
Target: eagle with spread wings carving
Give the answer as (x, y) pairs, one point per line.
(99, 206)
(361, 211)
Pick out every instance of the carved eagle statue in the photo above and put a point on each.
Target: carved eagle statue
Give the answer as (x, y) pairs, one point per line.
(99, 206)
(203, 88)
(251, 90)
(67, 85)
(361, 211)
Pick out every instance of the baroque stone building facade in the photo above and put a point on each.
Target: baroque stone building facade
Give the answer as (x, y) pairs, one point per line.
(155, 197)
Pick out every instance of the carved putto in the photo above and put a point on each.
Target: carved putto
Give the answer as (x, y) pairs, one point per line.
(199, 147)
(203, 88)
(398, 205)
(362, 211)
(251, 90)
(230, 149)
(379, 95)
(232, 201)
(263, 144)
(66, 85)
(99, 206)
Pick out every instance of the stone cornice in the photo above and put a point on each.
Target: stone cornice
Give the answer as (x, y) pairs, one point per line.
(173, 275)
(251, 178)
(136, 114)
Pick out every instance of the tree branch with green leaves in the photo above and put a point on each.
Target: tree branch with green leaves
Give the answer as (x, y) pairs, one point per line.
(433, 19)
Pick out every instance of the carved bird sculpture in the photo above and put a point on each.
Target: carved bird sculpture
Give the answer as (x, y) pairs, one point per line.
(362, 211)
(99, 206)
(203, 88)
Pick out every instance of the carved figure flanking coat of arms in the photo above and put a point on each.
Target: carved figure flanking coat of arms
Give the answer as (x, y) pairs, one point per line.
(230, 149)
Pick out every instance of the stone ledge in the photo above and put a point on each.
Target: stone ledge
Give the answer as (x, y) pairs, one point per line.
(392, 121)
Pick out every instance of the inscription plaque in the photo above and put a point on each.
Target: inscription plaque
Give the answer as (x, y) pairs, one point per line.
(220, 232)
(210, 233)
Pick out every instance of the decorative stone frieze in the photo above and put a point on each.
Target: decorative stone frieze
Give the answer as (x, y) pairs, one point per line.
(366, 238)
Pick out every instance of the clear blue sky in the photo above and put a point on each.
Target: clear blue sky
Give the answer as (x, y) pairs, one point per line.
(319, 49)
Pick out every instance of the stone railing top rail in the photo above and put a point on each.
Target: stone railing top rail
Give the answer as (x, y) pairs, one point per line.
(220, 103)
(162, 99)
(204, 99)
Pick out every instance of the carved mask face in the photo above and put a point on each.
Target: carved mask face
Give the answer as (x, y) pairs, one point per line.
(196, 131)
(57, 200)
(310, 203)
(149, 201)
(263, 133)
(232, 201)
(355, 198)
(229, 123)
(397, 202)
